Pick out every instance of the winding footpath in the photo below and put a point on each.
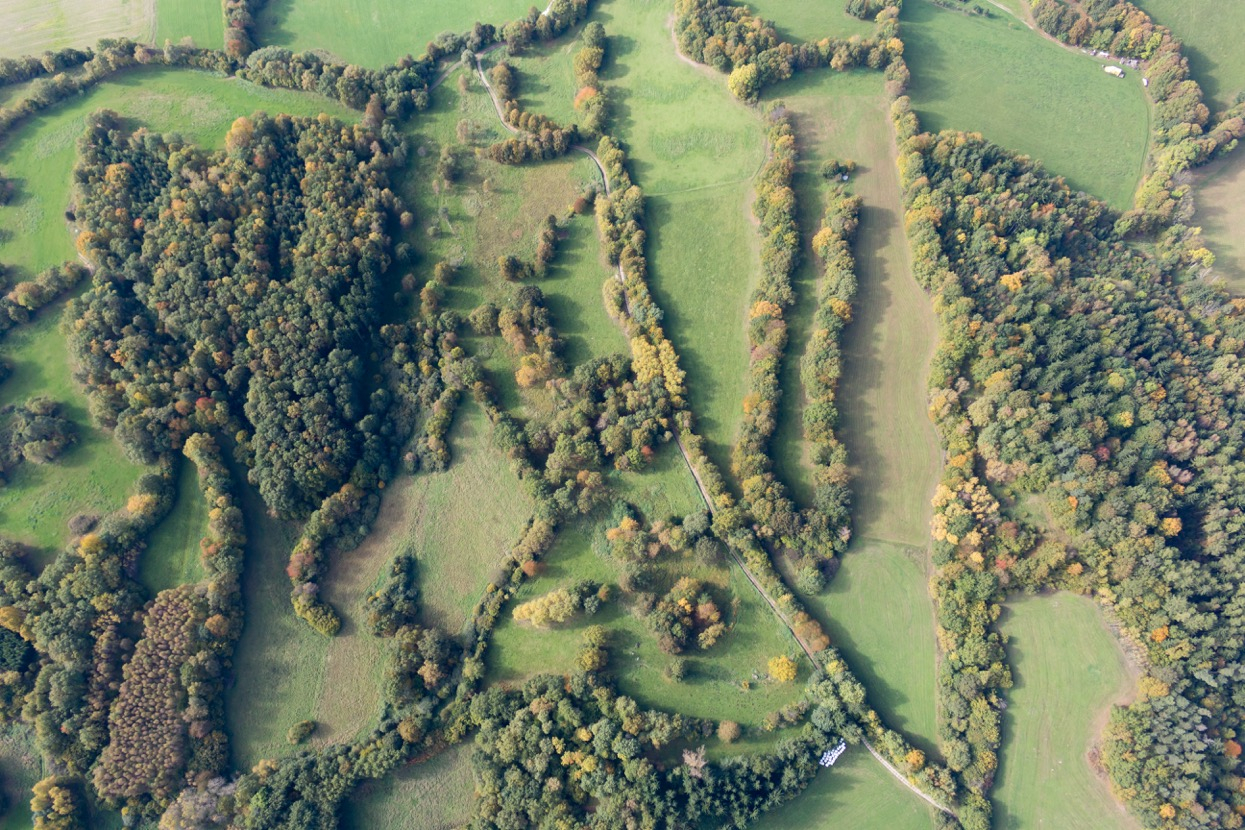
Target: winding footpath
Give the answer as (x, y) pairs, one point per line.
(704, 493)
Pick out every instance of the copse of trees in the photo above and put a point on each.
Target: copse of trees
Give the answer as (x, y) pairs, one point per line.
(36, 432)
(241, 19)
(30, 67)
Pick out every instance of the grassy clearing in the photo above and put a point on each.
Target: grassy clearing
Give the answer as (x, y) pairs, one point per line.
(374, 32)
(200, 20)
(1221, 214)
(665, 488)
(31, 28)
(800, 20)
(40, 154)
(93, 476)
(882, 395)
(1068, 670)
(856, 792)
(997, 77)
(280, 662)
(172, 557)
(726, 683)
(20, 769)
(438, 794)
(1211, 34)
(879, 614)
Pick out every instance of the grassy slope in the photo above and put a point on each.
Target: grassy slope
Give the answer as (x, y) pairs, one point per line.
(801, 20)
(459, 523)
(374, 32)
(172, 556)
(1220, 204)
(857, 792)
(280, 661)
(997, 77)
(694, 150)
(435, 795)
(200, 20)
(33, 27)
(713, 687)
(1068, 670)
(1211, 33)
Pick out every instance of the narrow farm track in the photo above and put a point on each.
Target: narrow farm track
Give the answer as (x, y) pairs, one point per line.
(700, 486)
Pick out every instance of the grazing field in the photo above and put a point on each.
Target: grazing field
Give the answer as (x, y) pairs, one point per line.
(435, 795)
(279, 663)
(879, 613)
(1220, 201)
(727, 682)
(203, 21)
(374, 32)
(92, 477)
(40, 153)
(997, 77)
(172, 557)
(20, 768)
(1211, 33)
(1068, 670)
(800, 20)
(892, 447)
(31, 28)
(856, 792)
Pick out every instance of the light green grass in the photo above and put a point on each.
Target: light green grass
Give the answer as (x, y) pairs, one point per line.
(664, 488)
(173, 557)
(20, 769)
(1211, 33)
(857, 792)
(280, 661)
(41, 153)
(997, 77)
(892, 447)
(203, 21)
(879, 614)
(714, 687)
(31, 28)
(802, 20)
(1068, 670)
(438, 794)
(375, 32)
(93, 476)
(1220, 201)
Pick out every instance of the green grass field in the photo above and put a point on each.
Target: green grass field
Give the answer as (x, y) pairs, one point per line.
(857, 792)
(715, 684)
(1220, 201)
(1068, 670)
(31, 28)
(435, 795)
(280, 661)
(20, 768)
(172, 557)
(1211, 34)
(93, 476)
(374, 32)
(203, 21)
(800, 20)
(997, 77)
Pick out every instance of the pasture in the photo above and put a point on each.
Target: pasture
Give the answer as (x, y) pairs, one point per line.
(172, 556)
(997, 77)
(882, 397)
(1220, 201)
(437, 794)
(856, 792)
(374, 32)
(799, 20)
(728, 682)
(1068, 670)
(1211, 34)
(20, 768)
(203, 21)
(32, 28)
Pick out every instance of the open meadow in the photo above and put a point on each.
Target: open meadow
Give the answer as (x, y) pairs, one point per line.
(31, 28)
(434, 795)
(800, 20)
(172, 556)
(1211, 33)
(1068, 670)
(998, 77)
(200, 20)
(1220, 201)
